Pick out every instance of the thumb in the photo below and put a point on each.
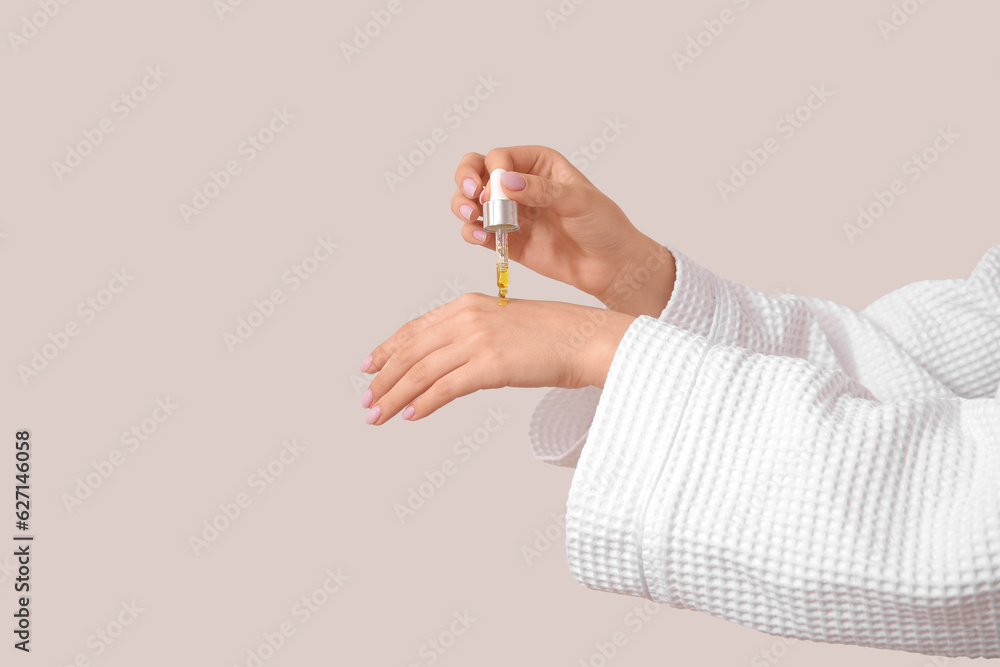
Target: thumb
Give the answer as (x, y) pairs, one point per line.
(537, 191)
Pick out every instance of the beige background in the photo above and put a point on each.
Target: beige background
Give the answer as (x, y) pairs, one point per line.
(296, 377)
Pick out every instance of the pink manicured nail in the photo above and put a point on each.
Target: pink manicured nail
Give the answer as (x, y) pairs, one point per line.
(373, 415)
(513, 181)
(366, 400)
(466, 211)
(469, 186)
(366, 364)
(408, 412)
(481, 194)
(479, 235)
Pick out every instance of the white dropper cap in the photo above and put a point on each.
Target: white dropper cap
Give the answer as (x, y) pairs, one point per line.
(500, 212)
(496, 190)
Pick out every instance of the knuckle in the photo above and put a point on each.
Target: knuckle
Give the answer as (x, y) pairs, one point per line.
(420, 371)
(444, 387)
(477, 337)
(495, 155)
(396, 350)
(553, 188)
(468, 317)
(547, 152)
(406, 332)
(547, 193)
(389, 349)
(404, 352)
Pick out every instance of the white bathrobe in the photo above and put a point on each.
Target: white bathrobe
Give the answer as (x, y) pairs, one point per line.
(794, 466)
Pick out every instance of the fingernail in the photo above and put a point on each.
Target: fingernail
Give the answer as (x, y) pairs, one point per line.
(466, 211)
(481, 195)
(366, 364)
(513, 181)
(366, 400)
(373, 415)
(408, 412)
(479, 235)
(469, 186)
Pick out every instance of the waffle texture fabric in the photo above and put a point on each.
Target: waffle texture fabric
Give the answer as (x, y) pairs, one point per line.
(797, 467)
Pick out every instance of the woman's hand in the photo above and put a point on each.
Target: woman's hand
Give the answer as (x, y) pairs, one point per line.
(570, 230)
(473, 343)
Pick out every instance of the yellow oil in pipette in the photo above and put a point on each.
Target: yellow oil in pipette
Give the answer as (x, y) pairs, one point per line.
(503, 275)
(503, 280)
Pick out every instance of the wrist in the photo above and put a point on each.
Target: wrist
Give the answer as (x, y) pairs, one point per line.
(644, 281)
(597, 356)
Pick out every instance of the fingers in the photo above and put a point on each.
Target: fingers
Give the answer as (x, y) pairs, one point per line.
(423, 353)
(542, 192)
(474, 233)
(418, 378)
(522, 159)
(467, 210)
(522, 182)
(405, 356)
(408, 332)
(469, 174)
(462, 381)
(465, 202)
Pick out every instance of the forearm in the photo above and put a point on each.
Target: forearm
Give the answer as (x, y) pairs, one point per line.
(644, 281)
